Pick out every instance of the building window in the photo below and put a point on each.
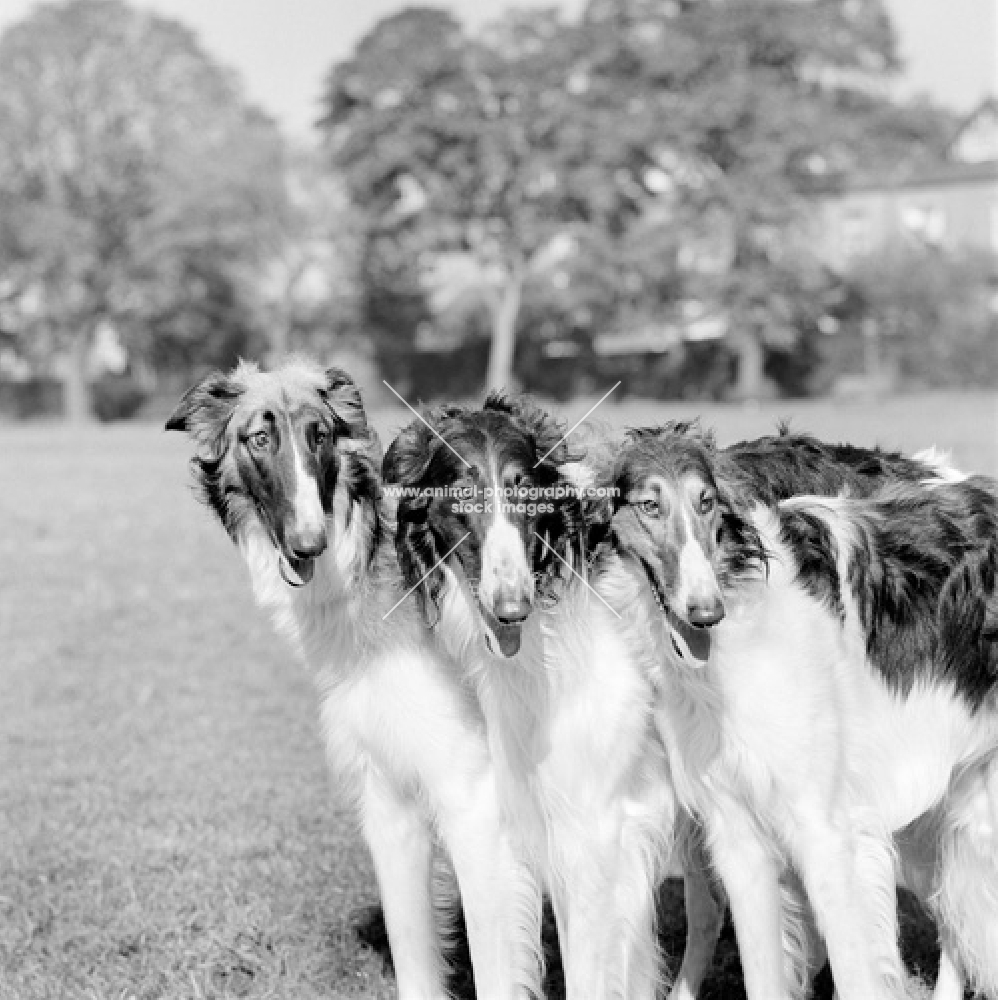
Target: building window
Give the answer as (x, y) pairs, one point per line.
(856, 233)
(924, 223)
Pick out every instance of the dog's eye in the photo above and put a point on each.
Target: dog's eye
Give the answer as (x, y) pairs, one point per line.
(516, 483)
(261, 439)
(650, 507)
(707, 502)
(321, 436)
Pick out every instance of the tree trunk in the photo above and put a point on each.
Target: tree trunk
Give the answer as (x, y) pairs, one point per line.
(77, 402)
(749, 373)
(504, 316)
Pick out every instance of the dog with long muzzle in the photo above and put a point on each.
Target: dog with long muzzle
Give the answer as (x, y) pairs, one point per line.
(287, 461)
(477, 493)
(567, 706)
(672, 525)
(848, 694)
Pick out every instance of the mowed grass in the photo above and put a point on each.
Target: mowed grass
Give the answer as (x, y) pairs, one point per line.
(167, 828)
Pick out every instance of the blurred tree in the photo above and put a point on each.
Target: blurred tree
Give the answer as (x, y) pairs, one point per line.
(208, 322)
(930, 316)
(309, 288)
(129, 163)
(746, 108)
(472, 159)
(652, 160)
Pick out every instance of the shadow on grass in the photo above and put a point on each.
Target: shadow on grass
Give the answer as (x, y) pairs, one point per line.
(724, 982)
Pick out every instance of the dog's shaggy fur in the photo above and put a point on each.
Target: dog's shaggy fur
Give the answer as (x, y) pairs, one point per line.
(918, 569)
(563, 683)
(795, 730)
(287, 462)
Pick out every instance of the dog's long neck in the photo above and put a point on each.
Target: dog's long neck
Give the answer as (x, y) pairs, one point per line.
(513, 694)
(332, 618)
(688, 705)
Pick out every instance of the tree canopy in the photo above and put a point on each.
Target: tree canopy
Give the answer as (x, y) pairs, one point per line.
(648, 159)
(135, 178)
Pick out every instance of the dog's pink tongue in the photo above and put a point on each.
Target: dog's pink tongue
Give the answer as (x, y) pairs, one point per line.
(297, 572)
(697, 639)
(509, 638)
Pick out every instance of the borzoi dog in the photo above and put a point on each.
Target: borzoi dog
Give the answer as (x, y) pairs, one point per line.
(567, 701)
(287, 462)
(828, 681)
(771, 469)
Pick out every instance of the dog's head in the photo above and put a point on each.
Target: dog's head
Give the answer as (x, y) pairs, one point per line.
(675, 518)
(278, 446)
(481, 492)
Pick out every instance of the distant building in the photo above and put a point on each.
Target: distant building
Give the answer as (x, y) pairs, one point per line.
(953, 204)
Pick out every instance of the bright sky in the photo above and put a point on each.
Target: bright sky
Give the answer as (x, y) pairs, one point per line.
(284, 48)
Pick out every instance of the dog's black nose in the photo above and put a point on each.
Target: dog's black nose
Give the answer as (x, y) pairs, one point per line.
(704, 611)
(511, 609)
(307, 545)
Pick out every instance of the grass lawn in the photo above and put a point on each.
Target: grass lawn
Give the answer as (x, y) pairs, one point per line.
(167, 828)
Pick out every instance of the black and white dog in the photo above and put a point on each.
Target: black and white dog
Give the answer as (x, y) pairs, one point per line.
(846, 690)
(489, 528)
(287, 462)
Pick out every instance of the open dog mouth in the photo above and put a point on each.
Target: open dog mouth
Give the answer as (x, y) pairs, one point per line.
(295, 572)
(691, 642)
(507, 634)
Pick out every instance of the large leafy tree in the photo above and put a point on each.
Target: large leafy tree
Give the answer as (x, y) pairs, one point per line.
(652, 159)
(133, 174)
(748, 107)
(472, 160)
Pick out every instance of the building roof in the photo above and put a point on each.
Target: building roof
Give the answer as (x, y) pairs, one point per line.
(971, 157)
(933, 176)
(976, 138)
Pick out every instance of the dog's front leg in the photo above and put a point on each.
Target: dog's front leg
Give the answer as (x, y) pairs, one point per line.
(604, 873)
(583, 873)
(949, 982)
(849, 880)
(401, 845)
(500, 897)
(639, 876)
(705, 906)
(750, 872)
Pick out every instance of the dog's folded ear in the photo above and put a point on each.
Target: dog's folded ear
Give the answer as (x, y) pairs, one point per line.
(406, 462)
(409, 455)
(343, 397)
(204, 410)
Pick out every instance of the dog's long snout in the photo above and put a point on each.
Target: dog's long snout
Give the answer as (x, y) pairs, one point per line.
(511, 608)
(699, 596)
(305, 535)
(704, 610)
(507, 587)
(307, 543)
